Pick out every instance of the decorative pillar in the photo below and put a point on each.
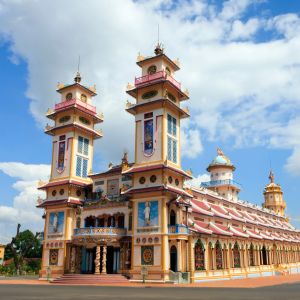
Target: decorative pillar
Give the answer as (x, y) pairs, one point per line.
(73, 258)
(179, 256)
(228, 258)
(104, 260)
(97, 260)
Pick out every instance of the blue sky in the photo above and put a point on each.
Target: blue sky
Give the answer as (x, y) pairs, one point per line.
(240, 61)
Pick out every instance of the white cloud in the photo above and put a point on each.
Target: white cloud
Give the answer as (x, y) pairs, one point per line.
(23, 207)
(196, 181)
(240, 89)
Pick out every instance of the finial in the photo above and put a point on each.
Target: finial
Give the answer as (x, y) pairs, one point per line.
(77, 78)
(125, 158)
(110, 165)
(220, 152)
(271, 176)
(159, 47)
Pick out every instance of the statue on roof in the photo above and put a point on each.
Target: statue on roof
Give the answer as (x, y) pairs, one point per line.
(159, 49)
(125, 159)
(77, 78)
(220, 152)
(271, 177)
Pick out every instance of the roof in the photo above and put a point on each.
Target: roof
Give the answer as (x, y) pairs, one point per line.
(57, 202)
(76, 84)
(113, 170)
(141, 62)
(221, 160)
(63, 182)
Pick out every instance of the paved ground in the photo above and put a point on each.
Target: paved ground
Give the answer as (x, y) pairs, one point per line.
(49, 292)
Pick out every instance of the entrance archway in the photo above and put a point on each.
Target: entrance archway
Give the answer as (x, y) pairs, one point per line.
(264, 255)
(173, 258)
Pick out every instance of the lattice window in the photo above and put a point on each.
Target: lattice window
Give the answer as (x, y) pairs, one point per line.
(80, 144)
(236, 256)
(199, 256)
(78, 166)
(83, 145)
(219, 257)
(81, 167)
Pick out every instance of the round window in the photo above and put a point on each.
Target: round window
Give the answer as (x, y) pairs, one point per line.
(170, 179)
(168, 71)
(61, 191)
(69, 96)
(142, 180)
(177, 181)
(83, 98)
(78, 193)
(152, 70)
(84, 120)
(64, 119)
(149, 94)
(153, 178)
(54, 193)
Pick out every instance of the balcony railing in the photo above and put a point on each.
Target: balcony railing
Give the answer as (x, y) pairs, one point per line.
(178, 229)
(110, 231)
(156, 76)
(214, 183)
(75, 102)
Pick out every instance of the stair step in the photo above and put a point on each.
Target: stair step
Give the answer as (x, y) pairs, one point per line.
(90, 279)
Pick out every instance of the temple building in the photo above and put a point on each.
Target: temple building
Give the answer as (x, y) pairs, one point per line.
(143, 218)
(2, 251)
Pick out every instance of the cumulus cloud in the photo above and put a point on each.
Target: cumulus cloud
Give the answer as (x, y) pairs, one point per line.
(196, 181)
(22, 209)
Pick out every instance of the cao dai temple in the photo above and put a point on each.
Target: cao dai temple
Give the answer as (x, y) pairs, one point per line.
(141, 218)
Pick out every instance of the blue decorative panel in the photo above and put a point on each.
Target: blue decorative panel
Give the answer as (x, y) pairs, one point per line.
(56, 222)
(148, 213)
(148, 137)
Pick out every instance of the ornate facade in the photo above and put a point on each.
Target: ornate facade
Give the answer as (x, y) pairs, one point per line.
(143, 215)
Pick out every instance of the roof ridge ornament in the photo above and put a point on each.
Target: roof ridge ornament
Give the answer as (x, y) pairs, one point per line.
(220, 152)
(271, 176)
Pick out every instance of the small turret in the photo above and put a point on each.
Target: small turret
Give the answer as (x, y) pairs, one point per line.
(274, 196)
(221, 177)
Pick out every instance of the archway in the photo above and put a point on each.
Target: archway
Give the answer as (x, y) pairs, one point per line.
(199, 256)
(219, 258)
(264, 255)
(236, 256)
(172, 218)
(173, 258)
(251, 255)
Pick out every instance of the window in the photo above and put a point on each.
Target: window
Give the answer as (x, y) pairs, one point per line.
(82, 162)
(236, 256)
(81, 167)
(172, 139)
(148, 134)
(151, 70)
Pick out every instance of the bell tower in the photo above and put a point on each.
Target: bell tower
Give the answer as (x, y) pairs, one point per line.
(274, 196)
(158, 180)
(73, 133)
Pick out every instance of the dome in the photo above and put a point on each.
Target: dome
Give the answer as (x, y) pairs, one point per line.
(220, 160)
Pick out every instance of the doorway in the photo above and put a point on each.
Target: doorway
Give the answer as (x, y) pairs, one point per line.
(173, 258)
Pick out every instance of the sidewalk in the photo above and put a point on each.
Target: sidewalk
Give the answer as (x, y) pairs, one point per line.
(233, 283)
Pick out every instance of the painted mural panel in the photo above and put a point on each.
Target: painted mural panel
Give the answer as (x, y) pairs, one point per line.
(148, 213)
(61, 156)
(148, 137)
(53, 257)
(56, 222)
(113, 187)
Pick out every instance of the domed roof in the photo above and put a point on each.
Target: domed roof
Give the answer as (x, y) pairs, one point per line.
(220, 160)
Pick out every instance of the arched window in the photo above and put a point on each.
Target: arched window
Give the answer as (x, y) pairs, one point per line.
(219, 258)
(236, 256)
(199, 256)
(251, 255)
(264, 255)
(90, 221)
(121, 221)
(172, 218)
(151, 70)
(168, 71)
(173, 258)
(111, 221)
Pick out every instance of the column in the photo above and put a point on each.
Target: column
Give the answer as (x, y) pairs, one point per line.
(206, 262)
(104, 260)
(73, 257)
(97, 260)
(179, 256)
(246, 263)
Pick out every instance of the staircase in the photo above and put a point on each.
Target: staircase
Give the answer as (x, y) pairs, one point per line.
(78, 279)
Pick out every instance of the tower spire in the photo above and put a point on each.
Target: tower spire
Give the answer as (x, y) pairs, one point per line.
(77, 78)
(159, 47)
(271, 176)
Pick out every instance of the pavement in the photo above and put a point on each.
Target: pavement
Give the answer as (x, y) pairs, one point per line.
(55, 292)
(232, 283)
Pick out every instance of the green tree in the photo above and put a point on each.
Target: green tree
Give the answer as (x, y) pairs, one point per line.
(24, 245)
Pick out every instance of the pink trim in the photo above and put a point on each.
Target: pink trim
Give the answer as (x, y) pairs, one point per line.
(76, 102)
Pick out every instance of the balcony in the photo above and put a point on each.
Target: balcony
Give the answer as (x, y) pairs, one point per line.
(178, 229)
(215, 183)
(76, 102)
(156, 77)
(96, 231)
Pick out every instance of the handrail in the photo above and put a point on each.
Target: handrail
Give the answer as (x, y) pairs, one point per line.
(155, 76)
(220, 182)
(78, 102)
(100, 231)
